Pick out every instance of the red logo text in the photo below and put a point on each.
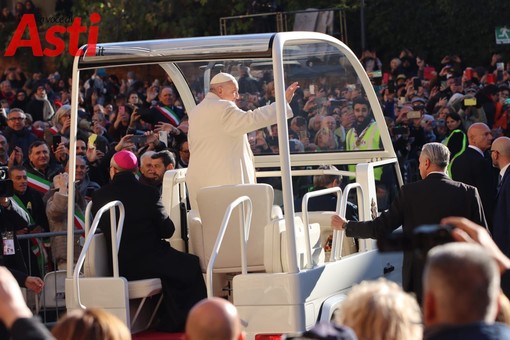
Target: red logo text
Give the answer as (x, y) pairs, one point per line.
(54, 37)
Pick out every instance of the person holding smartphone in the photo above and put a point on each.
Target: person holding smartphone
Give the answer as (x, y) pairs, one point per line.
(121, 124)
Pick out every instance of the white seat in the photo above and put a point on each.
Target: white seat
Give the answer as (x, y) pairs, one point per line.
(173, 196)
(276, 259)
(267, 244)
(134, 302)
(143, 310)
(205, 224)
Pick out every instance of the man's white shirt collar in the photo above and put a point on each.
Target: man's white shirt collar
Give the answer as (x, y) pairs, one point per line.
(476, 148)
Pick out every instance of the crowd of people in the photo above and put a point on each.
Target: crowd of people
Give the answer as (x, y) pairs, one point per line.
(464, 108)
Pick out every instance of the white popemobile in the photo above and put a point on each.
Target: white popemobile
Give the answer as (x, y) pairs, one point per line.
(254, 249)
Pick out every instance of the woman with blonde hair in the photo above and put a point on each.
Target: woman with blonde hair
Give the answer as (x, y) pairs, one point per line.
(381, 310)
(90, 324)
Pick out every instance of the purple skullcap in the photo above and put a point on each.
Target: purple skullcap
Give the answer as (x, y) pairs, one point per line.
(125, 160)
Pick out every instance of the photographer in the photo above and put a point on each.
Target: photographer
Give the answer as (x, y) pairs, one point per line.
(461, 285)
(12, 220)
(423, 202)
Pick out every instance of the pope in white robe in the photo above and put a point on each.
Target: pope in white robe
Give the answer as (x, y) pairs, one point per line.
(220, 153)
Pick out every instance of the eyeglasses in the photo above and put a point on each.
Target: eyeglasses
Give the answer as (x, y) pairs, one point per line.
(17, 118)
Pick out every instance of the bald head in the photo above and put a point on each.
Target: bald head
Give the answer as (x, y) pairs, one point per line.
(500, 152)
(480, 135)
(213, 319)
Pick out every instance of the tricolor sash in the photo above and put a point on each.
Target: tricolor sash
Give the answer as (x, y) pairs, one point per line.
(38, 183)
(79, 220)
(38, 246)
(169, 114)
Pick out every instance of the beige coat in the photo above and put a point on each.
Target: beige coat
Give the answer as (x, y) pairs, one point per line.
(220, 153)
(56, 211)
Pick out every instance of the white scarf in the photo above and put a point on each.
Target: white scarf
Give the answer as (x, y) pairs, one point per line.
(48, 110)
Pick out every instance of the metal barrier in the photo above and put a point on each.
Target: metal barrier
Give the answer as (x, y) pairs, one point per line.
(49, 305)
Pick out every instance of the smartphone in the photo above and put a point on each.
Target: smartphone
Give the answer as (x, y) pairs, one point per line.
(499, 75)
(303, 135)
(386, 78)
(312, 89)
(139, 139)
(100, 144)
(56, 141)
(416, 83)
(163, 137)
(500, 66)
(469, 101)
(122, 109)
(414, 114)
(6, 188)
(391, 86)
(402, 100)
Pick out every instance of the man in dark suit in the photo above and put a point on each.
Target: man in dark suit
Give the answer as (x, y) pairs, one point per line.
(143, 251)
(500, 154)
(418, 203)
(472, 168)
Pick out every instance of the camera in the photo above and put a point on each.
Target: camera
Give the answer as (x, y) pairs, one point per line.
(420, 240)
(6, 188)
(4, 172)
